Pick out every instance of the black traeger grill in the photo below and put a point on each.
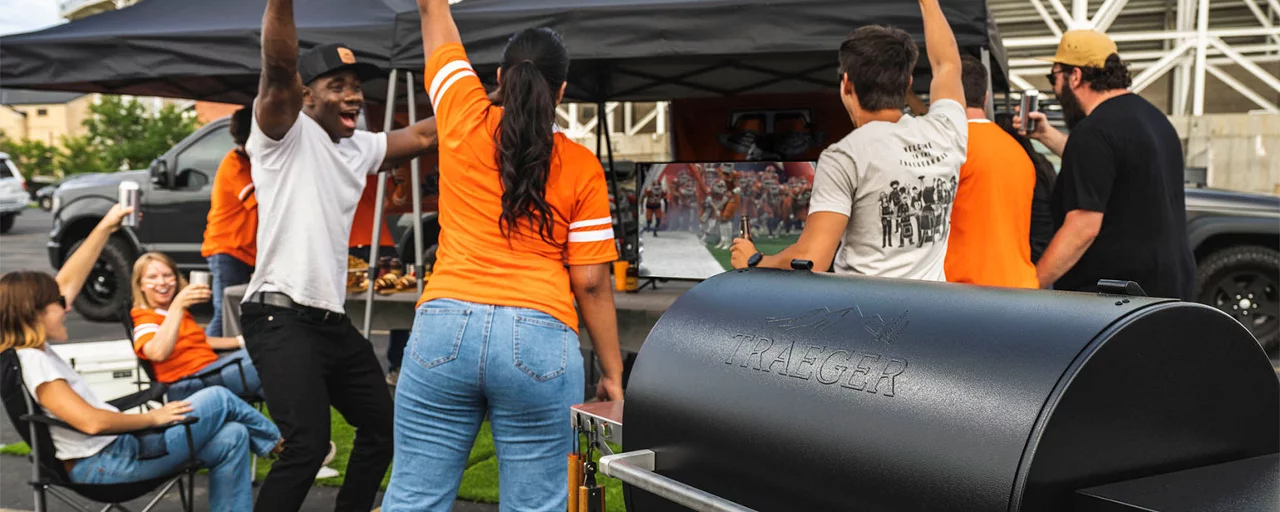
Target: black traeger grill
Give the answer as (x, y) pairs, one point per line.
(773, 390)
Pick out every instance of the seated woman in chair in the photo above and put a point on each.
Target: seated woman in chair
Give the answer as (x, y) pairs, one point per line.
(33, 306)
(166, 334)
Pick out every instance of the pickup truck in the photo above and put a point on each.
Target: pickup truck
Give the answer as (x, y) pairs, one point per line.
(13, 193)
(1235, 236)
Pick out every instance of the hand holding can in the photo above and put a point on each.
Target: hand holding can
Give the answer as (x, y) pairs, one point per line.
(201, 278)
(129, 199)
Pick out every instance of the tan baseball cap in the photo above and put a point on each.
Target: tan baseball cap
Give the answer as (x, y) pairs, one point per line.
(1084, 48)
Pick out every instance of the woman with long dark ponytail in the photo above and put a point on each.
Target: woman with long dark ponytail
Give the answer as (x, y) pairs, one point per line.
(525, 232)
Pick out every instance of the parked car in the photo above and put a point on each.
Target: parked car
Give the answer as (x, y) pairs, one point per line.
(175, 205)
(13, 193)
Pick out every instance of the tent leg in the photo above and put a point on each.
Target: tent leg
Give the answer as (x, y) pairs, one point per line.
(388, 121)
(415, 182)
(613, 172)
(990, 104)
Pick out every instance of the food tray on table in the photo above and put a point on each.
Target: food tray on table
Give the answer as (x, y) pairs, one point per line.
(394, 280)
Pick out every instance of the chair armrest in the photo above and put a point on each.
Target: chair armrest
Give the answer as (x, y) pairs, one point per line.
(46, 420)
(153, 393)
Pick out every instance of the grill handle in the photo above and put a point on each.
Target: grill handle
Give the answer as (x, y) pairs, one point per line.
(636, 468)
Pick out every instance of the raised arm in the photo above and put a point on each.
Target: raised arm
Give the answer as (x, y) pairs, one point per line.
(438, 28)
(75, 271)
(944, 55)
(410, 142)
(279, 88)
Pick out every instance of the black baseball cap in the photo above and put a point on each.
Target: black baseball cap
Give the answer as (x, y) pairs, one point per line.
(328, 58)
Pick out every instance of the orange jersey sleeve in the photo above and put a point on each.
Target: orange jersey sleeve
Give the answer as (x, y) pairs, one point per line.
(590, 225)
(146, 323)
(457, 96)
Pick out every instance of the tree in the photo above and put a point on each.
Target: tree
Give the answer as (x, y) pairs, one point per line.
(34, 157)
(80, 155)
(130, 137)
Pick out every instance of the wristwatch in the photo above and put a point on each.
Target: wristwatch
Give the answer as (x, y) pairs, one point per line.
(754, 259)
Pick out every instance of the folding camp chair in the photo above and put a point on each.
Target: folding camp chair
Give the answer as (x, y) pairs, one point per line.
(49, 474)
(211, 377)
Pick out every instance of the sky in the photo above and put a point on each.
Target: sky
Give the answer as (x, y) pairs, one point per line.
(26, 15)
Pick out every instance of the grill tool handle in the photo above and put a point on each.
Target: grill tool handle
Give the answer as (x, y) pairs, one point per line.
(636, 468)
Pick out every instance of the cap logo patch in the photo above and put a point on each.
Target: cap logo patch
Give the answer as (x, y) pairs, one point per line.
(346, 56)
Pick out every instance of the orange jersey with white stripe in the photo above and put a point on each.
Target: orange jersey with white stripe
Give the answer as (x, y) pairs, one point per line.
(191, 352)
(476, 262)
(232, 226)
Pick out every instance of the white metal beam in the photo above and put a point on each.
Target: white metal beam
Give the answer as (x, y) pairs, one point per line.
(1163, 35)
(652, 115)
(1242, 89)
(1019, 82)
(1136, 66)
(1132, 57)
(1159, 68)
(1079, 13)
(1202, 42)
(1275, 6)
(1106, 14)
(1245, 63)
(1048, 19)
(1263, 18)
(1062, 13)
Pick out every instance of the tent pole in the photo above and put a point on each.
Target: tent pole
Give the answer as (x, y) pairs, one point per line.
(990, 104)
(388, 118)
(415, 182)
(613, 171)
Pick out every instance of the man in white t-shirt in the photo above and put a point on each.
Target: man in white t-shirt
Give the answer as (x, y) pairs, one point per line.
(891, 172)
(309, 166)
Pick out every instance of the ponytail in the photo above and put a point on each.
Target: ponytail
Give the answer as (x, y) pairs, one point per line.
(535, 65)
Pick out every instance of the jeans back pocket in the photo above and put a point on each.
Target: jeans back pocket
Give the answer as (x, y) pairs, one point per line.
(437, 335)
(541, 347)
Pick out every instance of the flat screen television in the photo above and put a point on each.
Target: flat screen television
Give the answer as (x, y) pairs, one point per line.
(689, 212)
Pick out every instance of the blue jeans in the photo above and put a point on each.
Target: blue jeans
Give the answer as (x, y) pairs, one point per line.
(521, 366)
(227, 430)
(227, 271)
(230, 378)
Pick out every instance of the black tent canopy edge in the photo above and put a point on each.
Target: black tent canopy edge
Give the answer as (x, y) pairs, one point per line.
(655, 65)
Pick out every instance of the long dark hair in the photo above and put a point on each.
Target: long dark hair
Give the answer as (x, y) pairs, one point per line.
(535, 64)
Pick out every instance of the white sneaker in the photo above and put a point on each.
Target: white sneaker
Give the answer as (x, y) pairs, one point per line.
(325, 470)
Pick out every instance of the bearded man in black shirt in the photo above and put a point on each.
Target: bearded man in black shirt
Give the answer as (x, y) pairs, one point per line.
(1118, 203)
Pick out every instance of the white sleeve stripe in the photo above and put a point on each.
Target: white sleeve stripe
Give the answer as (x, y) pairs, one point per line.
(140, 333)
(435, 99)
(140, 327)
(444, 73)
(593, 222)
(244, 192)
(591, 236)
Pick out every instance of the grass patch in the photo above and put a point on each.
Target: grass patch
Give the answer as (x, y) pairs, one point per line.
(18, 449)
(479, 482)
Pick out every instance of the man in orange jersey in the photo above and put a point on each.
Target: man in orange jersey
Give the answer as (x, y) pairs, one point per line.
(231, 232)
(991, 214)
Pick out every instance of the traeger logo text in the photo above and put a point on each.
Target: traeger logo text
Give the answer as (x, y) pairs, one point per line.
(859, 371)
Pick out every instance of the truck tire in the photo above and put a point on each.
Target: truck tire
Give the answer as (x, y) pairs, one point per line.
(1242, 282)
(108, 289)
(6, 221)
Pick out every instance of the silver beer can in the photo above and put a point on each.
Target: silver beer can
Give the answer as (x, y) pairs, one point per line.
(129, 191)
(1030, 103)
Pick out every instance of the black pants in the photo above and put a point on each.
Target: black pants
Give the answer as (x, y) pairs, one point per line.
(307, 364)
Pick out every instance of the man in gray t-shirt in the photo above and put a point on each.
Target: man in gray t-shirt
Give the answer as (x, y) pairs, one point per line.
(882, 194)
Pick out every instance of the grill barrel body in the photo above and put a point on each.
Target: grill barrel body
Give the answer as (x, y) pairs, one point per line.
(799, 391)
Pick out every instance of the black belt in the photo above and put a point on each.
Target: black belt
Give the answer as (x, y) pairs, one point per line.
(283, 301)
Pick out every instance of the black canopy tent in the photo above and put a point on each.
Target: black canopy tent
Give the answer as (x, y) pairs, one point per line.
(622, 50)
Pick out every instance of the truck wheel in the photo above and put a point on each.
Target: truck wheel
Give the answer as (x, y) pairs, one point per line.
(1242, 282)
(6, 222)
(107, 291)
(46, 203)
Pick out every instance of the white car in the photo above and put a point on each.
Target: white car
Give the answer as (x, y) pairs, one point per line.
(13, 193)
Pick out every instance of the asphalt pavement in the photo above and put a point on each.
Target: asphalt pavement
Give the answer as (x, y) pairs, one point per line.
(23, 248)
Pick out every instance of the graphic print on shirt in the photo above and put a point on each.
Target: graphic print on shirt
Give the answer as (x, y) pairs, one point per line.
(917, 211)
